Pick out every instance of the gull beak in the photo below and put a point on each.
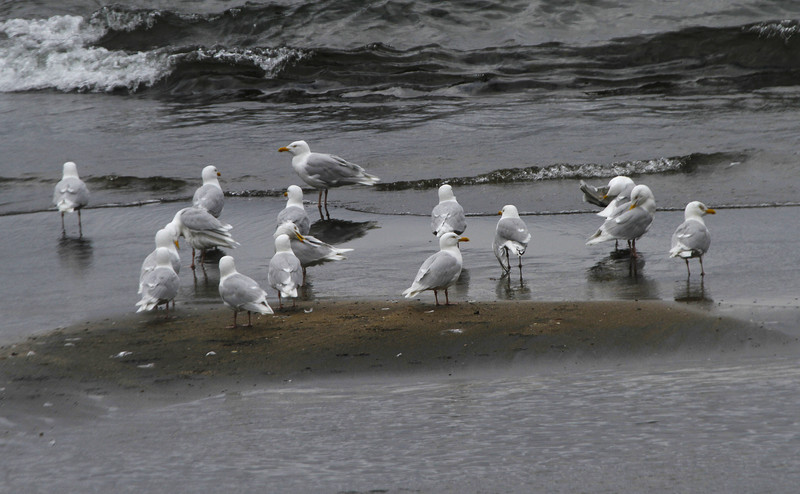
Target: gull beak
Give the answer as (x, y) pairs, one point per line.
(710, 211)
(463, 239)
(500, 212)
(219, 174)
(632, 206)
(286, 194)
(177, 246)
(299, 237)
(284, 148)
(605, 196)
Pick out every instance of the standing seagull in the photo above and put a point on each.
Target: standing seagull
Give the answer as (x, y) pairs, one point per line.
(70, 194)
(631, 224)
(448, 215)
(295, 212)
(160, 285)
(311, 251)
(164, 238)
(201, 230)
(691, 238)
(209, 196)
(323, 171)
(240, 292)
(285, 272)
(511, 235)
(441, 270)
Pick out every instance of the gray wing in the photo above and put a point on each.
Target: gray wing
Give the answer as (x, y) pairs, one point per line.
(202, 221)
(513, 229)
(285, 268)
(630, 225)
(70, 193)
(335, 171)
(438, 272)
(161, 284)
(312, 251)
(594, 195)
(239, 290)
(210, 198)
(448, 216)
(296, 215)
(691, 237)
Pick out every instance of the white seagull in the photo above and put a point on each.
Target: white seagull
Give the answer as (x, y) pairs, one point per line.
(619, 193)
(201, 230)
(448, 215)
(240, 292)
(311, 251)
(164, 238)
(631, 224)
(70, 194)
(295, 212)
(285, 272)
(209, 196)
(441, 270)
(323, 171)
(691, 238)
(159, 286)
(511, 236)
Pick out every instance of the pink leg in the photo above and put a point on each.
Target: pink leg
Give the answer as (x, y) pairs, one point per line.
(436, 296)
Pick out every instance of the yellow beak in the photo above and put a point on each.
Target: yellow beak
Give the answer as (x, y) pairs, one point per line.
(219, 174)
(285, 194)
(500, 212)
(710, 211)
(632, 206)
(463, 239)
(177, 246)
(284, 148)
(299, 237)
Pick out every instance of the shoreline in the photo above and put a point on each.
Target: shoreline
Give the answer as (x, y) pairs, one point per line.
(193, 352)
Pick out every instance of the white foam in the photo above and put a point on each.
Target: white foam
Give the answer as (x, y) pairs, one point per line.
(57, 53)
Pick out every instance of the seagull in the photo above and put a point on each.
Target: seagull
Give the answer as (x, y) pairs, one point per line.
(441, 270)
(323, 171)
(70, 194)
(448, 215)
(631, 224)
(240, 292)
(159, 286)
(691, 238)
(311, 251)
(619, 193)
(295, 212)
(209, 196)
(201, 230)
(511, 235)
(165, 238)
(285, 272)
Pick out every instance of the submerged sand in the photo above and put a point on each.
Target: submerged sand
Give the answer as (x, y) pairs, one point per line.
(191, 350)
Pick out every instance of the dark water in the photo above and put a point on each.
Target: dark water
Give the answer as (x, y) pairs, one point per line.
(511, 102)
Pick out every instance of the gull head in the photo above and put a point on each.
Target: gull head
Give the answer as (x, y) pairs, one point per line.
(697, 209)
(446, 193)
(296, 148)
(450, 239)
(226, 266)
(509, 211)
(70, 169)
(616, 185)
(210, 173)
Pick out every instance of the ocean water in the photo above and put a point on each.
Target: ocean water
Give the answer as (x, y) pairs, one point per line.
(511, 102)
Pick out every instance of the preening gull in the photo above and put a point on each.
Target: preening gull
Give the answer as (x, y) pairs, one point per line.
(209, 196)
(70, 194)
(164, 238)
(619, 191)
(285, 272)
(159, 286)
(202, 230)
(511, 236)
(448, 215)
(441, 270)
(323, 171)
(311, 251)
(240, 292)
(295, 212)
(631, 224)
(691, 238)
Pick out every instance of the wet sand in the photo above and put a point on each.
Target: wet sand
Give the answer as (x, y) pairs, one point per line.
(195, 354)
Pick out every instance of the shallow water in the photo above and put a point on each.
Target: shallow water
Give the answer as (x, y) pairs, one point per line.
(511, 102)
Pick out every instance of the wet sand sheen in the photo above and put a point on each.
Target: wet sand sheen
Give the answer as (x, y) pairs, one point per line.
(186, 354)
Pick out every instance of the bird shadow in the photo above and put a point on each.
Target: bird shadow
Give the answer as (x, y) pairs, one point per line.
(340, 231)
(75, 252)
(692, 291)
(617, 265)
(512, 286)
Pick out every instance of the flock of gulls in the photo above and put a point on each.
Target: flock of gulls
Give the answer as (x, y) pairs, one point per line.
(628, 212)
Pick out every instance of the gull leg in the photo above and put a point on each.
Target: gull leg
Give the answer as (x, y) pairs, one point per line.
(319, 205)
(304, 276)
(280, 302)
(192, 266)
(702, 271)
(326, 204)
(447, 298)
(234, 320)
(249, 324)
(436, 296)
(688, 272)
(63, 228)
(80, 225)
